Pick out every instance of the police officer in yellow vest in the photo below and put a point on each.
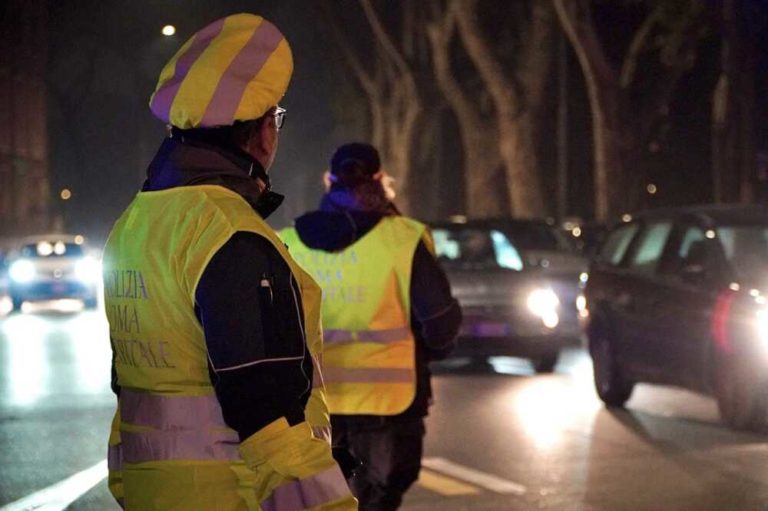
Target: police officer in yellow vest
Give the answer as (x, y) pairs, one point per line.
(215, 330)
(387, 311)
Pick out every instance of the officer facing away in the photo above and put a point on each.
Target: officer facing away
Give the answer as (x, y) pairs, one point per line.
(215, 330)
(387, 311)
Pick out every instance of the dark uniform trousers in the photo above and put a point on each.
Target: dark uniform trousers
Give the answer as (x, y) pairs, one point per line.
(390, 449)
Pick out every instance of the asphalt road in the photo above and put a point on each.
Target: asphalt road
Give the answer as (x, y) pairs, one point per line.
(499, 437)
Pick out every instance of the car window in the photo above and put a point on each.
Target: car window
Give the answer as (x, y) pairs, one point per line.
(685, 238)
(746, 248)
(650, 247)
(616, 244)
(537, 236)
(476, 248)
(507, 255)
(691, 235)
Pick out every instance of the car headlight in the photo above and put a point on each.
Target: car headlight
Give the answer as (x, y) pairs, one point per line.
(761, 325)
(22, 271)
(544, 304)
(88, 270)
(581, 306)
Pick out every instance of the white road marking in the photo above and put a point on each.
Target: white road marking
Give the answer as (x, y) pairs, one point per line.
(59, 496)
(470, 475)
(445, 485)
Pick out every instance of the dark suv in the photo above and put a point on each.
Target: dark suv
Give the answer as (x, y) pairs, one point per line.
(676, 297)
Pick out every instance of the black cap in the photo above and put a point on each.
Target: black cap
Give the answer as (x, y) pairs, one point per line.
(360, 155)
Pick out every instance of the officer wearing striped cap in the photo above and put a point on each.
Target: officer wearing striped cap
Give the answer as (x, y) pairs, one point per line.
(216, 344)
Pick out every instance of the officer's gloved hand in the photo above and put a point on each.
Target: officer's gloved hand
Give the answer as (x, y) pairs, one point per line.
(348, 462)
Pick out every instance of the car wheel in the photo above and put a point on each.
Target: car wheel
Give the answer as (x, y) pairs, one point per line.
(612, 388)
(545, 364)
(741, 401)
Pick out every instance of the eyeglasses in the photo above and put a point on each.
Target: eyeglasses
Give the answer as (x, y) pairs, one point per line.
(279, 117)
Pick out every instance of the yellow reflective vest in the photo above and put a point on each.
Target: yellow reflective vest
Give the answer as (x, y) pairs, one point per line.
(170, 448)
(369, 356)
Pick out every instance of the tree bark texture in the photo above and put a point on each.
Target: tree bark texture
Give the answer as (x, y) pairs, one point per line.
(604, 101)
(734, 161)
(516, 100)
(394, 98)
(621, 121)
(485, 191)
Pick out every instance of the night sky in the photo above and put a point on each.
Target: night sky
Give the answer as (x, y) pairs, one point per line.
(105, 58)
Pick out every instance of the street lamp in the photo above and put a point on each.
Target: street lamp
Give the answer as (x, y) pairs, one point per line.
(169, 30)
(65, 194)
(651, 189)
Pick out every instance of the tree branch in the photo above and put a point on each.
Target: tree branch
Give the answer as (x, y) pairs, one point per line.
(676, 65)
(636, 47)
(440, 33)
(576, 19)
(505, 95)
(537, 54)
(366, 79)
(383, 37)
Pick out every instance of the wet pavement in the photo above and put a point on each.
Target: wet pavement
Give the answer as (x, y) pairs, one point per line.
(499, 437)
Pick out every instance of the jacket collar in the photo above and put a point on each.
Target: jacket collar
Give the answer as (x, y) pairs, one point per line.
(192, 163)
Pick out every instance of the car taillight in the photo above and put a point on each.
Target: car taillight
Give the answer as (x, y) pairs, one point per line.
(720, 316)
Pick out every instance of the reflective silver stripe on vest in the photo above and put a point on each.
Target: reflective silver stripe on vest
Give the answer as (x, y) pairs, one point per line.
(182, 444)
(183, 428)
(170, 411)
(317, 375)
(309, 492)
(322, 433)
(377, 336)
(360, 375)
(115, 457)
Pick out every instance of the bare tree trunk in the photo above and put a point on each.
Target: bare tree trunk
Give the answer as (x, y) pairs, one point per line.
(604, 102)
(393, 95)
(515, 104)
(485, 195)
(720, 192)
(620, 121)
(518, 151)
(609, 132)
(734, 161)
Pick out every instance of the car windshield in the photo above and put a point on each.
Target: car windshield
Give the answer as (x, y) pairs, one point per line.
(475, 248)
(746, 247)
(538, 237)
(51, 249)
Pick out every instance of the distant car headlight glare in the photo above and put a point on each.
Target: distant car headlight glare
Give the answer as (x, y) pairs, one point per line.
(581, 306)
(88, 270)
(544, 303)
(761, 325)
(22, 271)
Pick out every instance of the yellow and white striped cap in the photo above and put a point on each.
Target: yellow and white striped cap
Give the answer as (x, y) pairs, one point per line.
(234, 69)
